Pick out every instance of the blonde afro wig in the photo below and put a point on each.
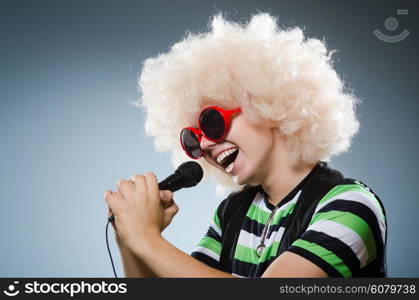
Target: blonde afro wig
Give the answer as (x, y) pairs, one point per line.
(273, 74)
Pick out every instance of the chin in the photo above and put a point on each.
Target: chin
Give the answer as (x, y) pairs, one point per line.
(243, 179)
(236, 180)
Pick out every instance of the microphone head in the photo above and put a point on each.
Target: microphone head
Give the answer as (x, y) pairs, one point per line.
(191, 172)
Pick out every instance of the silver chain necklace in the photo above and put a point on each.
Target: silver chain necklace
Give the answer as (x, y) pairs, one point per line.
(261, 247)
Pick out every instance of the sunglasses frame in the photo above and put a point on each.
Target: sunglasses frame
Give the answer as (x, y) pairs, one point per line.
(198, 135)
(227, 115)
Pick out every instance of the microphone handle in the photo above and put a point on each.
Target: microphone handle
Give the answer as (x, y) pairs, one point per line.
(173, 183)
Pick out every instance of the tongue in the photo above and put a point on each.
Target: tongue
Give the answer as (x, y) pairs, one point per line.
(230, 167)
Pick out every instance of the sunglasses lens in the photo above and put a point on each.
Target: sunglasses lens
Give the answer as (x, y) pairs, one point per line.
(190, 143)
(212, 123)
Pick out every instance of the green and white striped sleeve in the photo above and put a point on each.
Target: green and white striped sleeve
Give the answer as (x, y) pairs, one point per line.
(209, 248)
(346, 233)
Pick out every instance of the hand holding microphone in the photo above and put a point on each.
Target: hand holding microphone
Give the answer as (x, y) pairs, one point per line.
(137, 204)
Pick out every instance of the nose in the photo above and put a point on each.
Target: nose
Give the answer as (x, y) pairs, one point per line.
(206, 143)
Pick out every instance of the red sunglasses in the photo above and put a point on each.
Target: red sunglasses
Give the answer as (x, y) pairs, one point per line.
(214, 124)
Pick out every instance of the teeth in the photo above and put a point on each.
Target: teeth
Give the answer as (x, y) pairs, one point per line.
(224, 154)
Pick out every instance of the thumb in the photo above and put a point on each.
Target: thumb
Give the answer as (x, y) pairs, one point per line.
(166, 198)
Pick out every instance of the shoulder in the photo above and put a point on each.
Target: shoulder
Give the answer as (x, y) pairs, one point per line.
(352, 204)
(349, 219)
(352, 195)
(345, 192)
(347, 230)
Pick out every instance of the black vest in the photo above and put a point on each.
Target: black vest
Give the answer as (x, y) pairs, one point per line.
(314, 187)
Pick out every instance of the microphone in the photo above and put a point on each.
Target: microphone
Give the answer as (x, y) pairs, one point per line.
(186, 175)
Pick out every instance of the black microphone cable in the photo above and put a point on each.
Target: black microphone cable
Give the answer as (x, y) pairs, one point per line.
(109, 250)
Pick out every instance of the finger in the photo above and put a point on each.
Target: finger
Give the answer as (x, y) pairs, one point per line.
(152, 185)
(110, 213)
(114, 194)
(172, 210)
(168, 195)
(113, 200)
(166, 198)
(139, 182)
(125, 187)
(166, 203)
(107, 195)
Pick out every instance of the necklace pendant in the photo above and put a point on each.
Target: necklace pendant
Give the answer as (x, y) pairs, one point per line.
(259, 250)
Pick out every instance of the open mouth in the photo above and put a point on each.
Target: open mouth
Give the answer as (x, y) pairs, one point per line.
(227, 158)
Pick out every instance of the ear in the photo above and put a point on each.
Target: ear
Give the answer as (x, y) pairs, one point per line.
(276, 132)
(272, 124)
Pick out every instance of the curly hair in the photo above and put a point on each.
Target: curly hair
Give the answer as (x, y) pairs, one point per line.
(273, 74)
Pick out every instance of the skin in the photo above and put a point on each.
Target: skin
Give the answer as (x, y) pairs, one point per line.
(142, 212)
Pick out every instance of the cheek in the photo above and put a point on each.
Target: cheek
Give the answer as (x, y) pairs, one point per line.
(258, 148)
(211, 162)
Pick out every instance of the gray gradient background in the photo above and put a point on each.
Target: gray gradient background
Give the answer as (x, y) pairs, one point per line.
(68, 70)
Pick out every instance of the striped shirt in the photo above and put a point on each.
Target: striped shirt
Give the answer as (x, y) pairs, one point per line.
(344, 234)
